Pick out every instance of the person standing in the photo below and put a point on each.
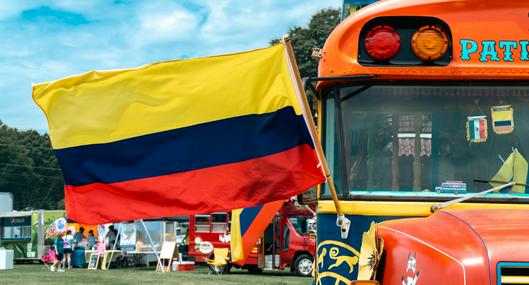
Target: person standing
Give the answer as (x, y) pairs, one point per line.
(78, 237)
(59, 252)
(118, 237)
(68, 248)
(111, 237)
(91, 240)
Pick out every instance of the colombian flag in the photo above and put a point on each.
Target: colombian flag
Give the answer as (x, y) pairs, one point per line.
(247, 226)
(180, 137)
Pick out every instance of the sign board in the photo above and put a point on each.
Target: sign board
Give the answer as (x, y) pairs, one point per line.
(206, 247)
(128, 235)
(168, 250)
(93, 261)
(57, 226)
(23, 221)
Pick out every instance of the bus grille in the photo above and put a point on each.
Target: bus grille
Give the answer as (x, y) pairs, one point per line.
(513, 273)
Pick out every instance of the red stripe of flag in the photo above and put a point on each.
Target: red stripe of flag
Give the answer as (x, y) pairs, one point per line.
(482, 127)
(222, 187)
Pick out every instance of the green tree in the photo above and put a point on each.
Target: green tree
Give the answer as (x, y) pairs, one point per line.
(313, 36)
(29, 169)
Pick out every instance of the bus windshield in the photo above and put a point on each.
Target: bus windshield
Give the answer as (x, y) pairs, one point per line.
(427, 141)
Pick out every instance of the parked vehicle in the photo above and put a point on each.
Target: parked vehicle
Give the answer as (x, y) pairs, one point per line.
(285, 243)
(400, 85)
(25, 233)
(288, 241)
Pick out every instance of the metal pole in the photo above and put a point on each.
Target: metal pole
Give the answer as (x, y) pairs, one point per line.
(113, 248)
(152, 245)
(40, 234)
(470, 196)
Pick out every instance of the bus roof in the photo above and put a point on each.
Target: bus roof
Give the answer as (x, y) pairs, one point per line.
(15, 214)
(470, 22)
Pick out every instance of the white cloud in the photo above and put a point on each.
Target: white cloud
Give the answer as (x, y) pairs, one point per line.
(165, 27)
(125, 35)
(237, 22)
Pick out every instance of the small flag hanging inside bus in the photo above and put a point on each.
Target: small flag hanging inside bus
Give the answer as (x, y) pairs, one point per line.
(477, 129)
(502, 119)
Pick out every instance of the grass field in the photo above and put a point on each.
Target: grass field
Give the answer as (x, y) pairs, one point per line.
(33, 274)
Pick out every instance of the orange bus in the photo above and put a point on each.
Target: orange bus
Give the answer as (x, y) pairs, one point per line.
(414, 95)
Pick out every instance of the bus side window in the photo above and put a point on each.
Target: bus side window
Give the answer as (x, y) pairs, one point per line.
(202, 223)
(219, 222)
(286, 238)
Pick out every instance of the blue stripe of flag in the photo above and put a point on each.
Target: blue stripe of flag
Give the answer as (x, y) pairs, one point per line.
(247, 217)
(502, 123)
(192, 148)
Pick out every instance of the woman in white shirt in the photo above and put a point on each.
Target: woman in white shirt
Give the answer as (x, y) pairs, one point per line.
(68, 248)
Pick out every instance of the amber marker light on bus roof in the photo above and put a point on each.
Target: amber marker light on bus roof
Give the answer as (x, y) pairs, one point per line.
(429, 43)
(382, 42)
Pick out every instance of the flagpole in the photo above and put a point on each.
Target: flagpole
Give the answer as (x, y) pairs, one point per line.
(113, 249)
(342, 221)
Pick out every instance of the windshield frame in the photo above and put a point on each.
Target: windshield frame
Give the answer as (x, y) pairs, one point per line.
(363, 85)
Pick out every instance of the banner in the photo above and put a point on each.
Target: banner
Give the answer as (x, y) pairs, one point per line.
(247, 226)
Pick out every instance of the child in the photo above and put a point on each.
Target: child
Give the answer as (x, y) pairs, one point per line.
(59, 251)
(68, 248)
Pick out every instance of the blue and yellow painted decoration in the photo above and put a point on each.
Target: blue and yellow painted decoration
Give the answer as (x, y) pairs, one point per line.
(337, 259)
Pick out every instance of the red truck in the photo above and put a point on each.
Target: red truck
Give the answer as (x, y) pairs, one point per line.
(285, 243)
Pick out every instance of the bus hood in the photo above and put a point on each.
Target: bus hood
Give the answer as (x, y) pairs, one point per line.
(455, 247)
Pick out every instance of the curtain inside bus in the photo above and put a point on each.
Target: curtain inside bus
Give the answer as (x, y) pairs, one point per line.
(411, 139)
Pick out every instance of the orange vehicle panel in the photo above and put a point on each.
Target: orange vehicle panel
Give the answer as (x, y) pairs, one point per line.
(476, 20)
(454, 247)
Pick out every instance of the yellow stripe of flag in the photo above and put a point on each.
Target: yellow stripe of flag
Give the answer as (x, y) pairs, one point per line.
(106, 106)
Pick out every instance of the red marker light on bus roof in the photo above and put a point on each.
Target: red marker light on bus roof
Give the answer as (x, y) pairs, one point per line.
(382, 42)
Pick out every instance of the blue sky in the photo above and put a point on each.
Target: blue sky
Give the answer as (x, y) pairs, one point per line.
(47, 40)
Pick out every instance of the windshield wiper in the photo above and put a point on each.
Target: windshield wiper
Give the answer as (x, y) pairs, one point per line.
(470, 196)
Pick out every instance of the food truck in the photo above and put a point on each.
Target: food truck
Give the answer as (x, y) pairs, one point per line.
(286, 242)
(411, 94)
(24, 232)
